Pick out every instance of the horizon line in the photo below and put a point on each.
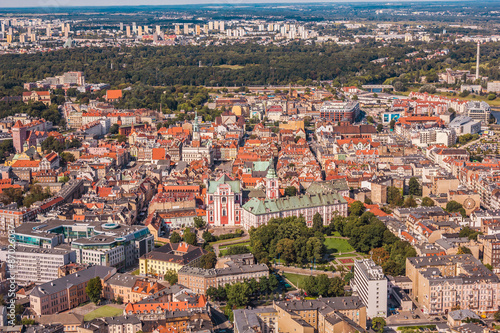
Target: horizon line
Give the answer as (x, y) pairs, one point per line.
(47, 6)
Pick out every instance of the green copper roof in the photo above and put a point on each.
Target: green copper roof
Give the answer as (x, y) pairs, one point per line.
(260, 165)
(258, 207)
(235, 184)
(271, 174)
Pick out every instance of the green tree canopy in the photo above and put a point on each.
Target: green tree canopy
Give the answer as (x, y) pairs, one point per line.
(414, 187)
(94, 289)
(171, 277)
(199, 223)
(378, 324)
(290, 191)
(208, 260)
(357, 208)
(175, 237)
(427, 202)
(190, 237)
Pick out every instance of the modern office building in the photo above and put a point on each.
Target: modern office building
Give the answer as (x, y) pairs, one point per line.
(479, 111)
(465, 125)
(37, 265)
(370, 284)
(340, 110)
(106, 244)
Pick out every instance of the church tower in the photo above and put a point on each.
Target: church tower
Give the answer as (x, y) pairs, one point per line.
(272, 186)
(196, 129)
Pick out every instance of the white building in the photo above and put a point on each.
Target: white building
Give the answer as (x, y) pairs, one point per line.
(479, 111)
(465, 125)
(38, 265)
(493, 86)
(190, 153)
(433, 136)
(371, 285)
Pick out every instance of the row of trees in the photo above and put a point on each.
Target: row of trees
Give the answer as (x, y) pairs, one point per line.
(36, 109)
(35, 193)
(209, 237)
(324, 286)
(240, 294)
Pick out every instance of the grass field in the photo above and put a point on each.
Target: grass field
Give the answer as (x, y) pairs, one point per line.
(296, 279)
(227, 240)
(231, 66)
(136, 272)
(335, 234)
(336, 245)
(103, 311)
(223, 249)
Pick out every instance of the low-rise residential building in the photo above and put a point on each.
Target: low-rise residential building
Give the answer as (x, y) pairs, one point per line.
(67, 292)
(150, 309)
(131, 288)
(172, 256)
(237, 269)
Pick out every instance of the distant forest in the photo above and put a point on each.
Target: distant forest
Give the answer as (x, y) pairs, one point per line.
(243, 64)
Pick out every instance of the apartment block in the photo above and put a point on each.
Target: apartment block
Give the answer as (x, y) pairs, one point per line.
(443, 283)
(324, 315)
(264, 320)
(370, 284)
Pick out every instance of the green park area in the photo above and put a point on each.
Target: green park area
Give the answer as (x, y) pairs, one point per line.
(296, 279)
(103, 311)
(224, 248)
(338, 246)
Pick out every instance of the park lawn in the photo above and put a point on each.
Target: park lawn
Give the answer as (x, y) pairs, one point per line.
(296, 279)
(226, 240)
(103, 311)
(223, 249)
(136, 272)
(336, 245)
(237, 244)
(335, 234)
(345, 255)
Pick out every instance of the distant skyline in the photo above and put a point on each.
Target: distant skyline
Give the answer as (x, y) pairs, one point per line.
(112, 3)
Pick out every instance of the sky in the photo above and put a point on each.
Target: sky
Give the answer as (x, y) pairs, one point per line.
(72, 3)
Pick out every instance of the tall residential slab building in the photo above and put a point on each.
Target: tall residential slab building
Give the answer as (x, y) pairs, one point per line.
(371, 285)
